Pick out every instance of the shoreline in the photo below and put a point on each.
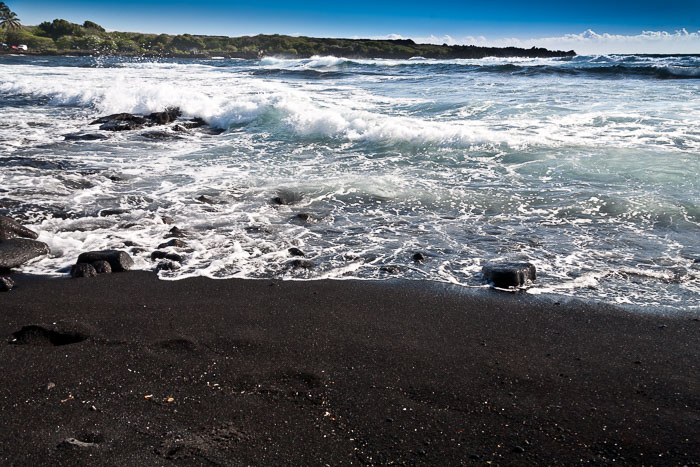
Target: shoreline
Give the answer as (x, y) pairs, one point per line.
(241, 371)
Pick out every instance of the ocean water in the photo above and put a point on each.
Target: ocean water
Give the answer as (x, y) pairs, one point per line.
(587, 167)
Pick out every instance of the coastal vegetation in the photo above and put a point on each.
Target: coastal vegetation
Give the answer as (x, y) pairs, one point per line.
(63, 37)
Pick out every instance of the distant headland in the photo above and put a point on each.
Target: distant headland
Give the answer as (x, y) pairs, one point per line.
(61, 37)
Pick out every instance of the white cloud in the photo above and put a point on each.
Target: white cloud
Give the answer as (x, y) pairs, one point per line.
(585, 43)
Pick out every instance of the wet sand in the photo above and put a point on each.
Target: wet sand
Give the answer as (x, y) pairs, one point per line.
(127, 369)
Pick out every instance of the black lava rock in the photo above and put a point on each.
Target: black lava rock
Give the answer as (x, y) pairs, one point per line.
(174, 242)
(206, 199)
(9, 228)
(83, 270)
(176, 232)
(161, 118)
(6, 284)
(85, 137)
(294, 251)
(167, 266)
(505, 275)
(163, 255)
(301, 264)
(17, 251)
(391, 269)
(117, 259)
(419, 257)
(102, 267)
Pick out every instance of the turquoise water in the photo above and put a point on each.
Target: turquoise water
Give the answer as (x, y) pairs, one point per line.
(587, 167)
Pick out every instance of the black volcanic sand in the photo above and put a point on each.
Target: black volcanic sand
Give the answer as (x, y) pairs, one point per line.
(147, 372)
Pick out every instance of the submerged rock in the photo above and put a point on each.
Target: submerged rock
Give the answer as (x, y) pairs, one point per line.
(9, 228)
(83, 270)
(176, 232)
(6, 284)
(285, 197)
(85, 137)
(419, 257)
(301, 264)
(17, 251)
(294, 251)
(505, 275)
(117, 259)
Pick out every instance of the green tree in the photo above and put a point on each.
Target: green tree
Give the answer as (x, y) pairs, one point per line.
(59, 28)
(8, 19)
(95, 26)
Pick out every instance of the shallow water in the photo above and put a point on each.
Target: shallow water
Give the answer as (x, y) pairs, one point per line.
(587, 167)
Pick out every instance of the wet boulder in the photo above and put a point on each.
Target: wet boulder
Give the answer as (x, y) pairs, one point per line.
(164, 255)
(120, 122)
(17, 251)
(175, 242)
(118, 260)
(167, 265)
(509, 274)
(6, 284)
(287, 197)
(83, 270)
(167, 116)
(9, 228)
(102, 267)
(294, 251)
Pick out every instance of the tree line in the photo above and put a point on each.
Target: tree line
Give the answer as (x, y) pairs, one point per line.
(61, 36)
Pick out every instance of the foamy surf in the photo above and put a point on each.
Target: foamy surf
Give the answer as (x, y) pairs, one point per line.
(584, 167)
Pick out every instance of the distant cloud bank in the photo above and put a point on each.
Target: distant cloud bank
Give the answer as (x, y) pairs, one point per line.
(586, 43)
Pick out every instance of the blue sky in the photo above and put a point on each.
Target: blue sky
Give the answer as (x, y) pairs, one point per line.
(457, 21)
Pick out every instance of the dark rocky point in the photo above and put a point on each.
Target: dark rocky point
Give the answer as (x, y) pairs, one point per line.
(419, 257)
(17, 251)
(117, 259)
(505, 275)
(83, 270)
(6, 284)
(175, 242)
(163, 255)
(294, 251)
(102, 267)
(120, 122)
(9, 228)
(161, 118)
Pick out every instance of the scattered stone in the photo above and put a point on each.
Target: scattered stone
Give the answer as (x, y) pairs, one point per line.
(418, 257)
(167, 266)
(176, 232)
(102, 267)
(113, 212)
(17, 251)
(83, 270)
(72, 443)
(117, 259)
(6, 284)
(391, 269)
(164, 255)
(206, 199)
(294, 251)
(174, 242)
(518, 449)
(505, 275)
(85, 137)
(50, 386)
(286, 197)
(9, 228)
(301, 264)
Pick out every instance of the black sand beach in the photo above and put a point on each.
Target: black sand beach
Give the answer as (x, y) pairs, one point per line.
(136, 371)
